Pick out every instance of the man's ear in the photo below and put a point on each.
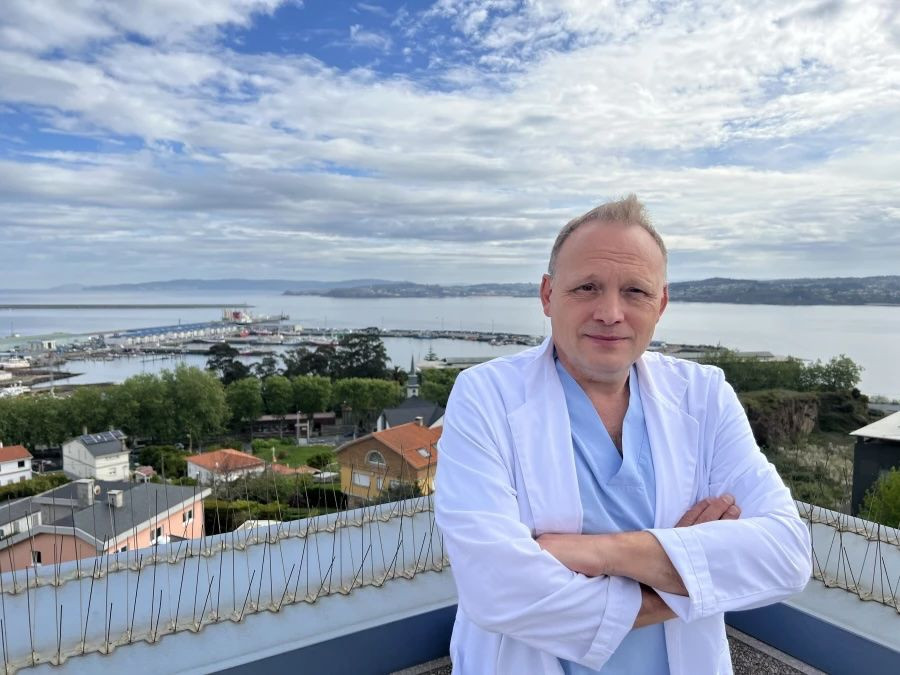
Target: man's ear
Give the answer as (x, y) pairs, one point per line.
(546, 289)
(665, 301)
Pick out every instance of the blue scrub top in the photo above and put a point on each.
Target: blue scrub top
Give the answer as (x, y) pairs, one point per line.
(618, 494)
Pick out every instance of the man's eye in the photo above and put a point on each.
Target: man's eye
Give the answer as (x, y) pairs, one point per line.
(636, 291)
(586, 288)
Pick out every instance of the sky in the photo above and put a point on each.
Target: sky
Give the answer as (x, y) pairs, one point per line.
(442, 141)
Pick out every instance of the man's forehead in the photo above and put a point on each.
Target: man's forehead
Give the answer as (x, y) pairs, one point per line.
(620, 243)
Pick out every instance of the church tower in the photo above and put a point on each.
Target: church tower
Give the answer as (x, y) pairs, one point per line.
(412, 383)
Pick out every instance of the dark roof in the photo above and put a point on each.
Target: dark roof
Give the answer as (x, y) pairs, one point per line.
(140, 503)
(104, 443)
(14, 510)
(412, 408)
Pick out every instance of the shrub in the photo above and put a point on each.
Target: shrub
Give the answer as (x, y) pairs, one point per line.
(882, 502)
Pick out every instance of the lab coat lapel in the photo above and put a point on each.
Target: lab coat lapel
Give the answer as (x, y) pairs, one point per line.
(674, 438)
(543, 441)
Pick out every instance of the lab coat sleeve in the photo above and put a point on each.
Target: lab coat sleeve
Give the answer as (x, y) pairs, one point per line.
(763, 557)
(506, 583)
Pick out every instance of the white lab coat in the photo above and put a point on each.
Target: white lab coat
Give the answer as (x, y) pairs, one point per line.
(506, 474)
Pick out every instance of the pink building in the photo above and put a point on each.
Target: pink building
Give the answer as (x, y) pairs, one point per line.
(87, 518)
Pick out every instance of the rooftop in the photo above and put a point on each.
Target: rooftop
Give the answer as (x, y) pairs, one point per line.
(887, 429)
(12, 453)
(226, 461)
(104, 443)
(416, 444)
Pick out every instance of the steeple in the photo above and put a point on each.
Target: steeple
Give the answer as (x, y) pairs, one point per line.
(412, 382)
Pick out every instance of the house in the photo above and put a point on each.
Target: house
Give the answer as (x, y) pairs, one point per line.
(143, 474)
(391, 458)
(103, 456)
(292, 424)
(303, 470)
(15, 464)
(87, 518)
(411, 410)
(223, 465)
(877, 451)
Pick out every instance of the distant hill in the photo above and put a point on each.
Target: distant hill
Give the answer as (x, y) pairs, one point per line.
(407, 289)
(835, 291)
(275, 285)
(829, 291)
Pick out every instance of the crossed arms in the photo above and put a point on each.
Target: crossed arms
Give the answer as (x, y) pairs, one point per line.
(636, 555)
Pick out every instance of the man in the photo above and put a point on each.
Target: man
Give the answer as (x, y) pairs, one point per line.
(603, 506)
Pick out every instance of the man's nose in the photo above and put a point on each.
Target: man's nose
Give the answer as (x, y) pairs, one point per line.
(608, 308)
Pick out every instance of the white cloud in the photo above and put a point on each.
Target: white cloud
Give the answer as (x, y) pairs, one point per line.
(764, 139)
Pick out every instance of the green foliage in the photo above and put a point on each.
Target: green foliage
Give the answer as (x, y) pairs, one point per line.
(223, 361)
(302, 361)
(267, 367)
(360, 355)
(882, 502)
(312, 393)
(399, 492)
(321, 460)
(436, 384)
(166, 460)
(245, 400)
(277, 395)
(752, 374)
(288, 453)
(29, 488)
(366, 397)
(198, 401)
(145, 408)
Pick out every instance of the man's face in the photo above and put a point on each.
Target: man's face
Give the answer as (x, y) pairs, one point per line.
(606, 295)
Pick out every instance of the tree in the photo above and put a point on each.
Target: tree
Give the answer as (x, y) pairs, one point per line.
(245, 400)
(166, 460)
(198, 402)
(223, 360)
(321, 460)
(142, 407)
(278, 397)
(366, 397)
(882, 502)
(89, 407)
(267, 367)
(436, 384)
(360, 355)
(302, 361)
(312, 393)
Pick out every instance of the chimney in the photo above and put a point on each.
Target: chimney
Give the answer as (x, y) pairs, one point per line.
(84, 430)
(114, 498)
(84, 492)
(420, 421)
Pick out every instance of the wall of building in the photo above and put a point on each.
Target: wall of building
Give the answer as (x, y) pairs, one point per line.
(54, 549)
(112, 467)
(61, 547)
(11, 472)
(353, 461)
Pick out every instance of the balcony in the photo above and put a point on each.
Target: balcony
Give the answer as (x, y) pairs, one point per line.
(371, 591)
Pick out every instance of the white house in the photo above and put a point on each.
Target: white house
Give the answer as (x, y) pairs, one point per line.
(103, 456)
(223, 465)
(15, 464)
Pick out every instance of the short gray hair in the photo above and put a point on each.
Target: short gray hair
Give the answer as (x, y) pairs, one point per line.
(629, 211)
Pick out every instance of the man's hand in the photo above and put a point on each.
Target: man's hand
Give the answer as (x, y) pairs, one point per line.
(710, 509)
(637, 555)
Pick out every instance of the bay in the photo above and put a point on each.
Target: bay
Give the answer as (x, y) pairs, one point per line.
(867, 334)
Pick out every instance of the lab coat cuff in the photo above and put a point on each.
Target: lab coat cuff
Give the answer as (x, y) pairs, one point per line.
(623, 603)
(689, 559)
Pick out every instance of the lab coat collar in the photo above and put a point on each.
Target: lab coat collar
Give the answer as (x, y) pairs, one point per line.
(543, 439)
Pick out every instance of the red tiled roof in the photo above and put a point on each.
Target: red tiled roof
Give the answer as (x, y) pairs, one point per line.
(10, 453)
(417, 445)
(291, 471)
(226, 461)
